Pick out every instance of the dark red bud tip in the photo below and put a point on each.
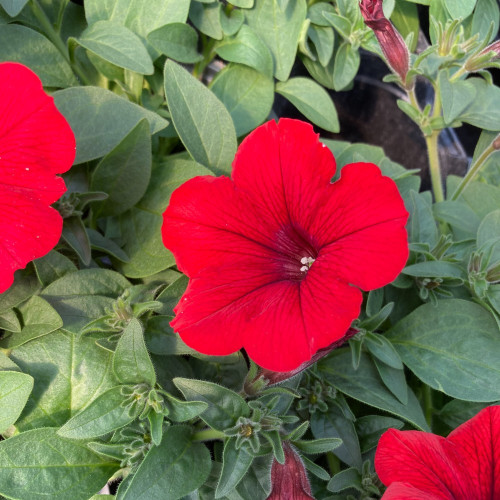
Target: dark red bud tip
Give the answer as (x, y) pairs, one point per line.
(391, 42)
(289, 481)
(277, 377)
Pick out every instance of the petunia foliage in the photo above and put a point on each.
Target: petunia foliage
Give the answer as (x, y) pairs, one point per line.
(249, 249)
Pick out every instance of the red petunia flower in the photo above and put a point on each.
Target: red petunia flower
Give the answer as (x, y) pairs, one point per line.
(465, 466)
(272, 252)
(36, 143)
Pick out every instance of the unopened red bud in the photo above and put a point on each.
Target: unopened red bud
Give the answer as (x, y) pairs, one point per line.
(391, 42)
(289, 481)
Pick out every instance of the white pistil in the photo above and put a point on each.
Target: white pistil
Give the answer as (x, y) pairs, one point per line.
(307, 263)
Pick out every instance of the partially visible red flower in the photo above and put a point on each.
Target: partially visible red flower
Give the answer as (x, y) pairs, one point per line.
(289, 481)
(36, 143)
(273, 252)
(464, 466)
(391, 42)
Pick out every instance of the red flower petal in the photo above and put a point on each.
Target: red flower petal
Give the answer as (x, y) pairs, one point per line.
(36, 143)
(222, 226)
(284, 169)
(29, 230)
(423, 460)
(271, 253)
(479, 442)
(464, 466)
(401, 491)
(361, 226)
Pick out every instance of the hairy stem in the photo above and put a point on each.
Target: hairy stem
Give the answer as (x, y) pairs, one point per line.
(207, 435)
(476, 167)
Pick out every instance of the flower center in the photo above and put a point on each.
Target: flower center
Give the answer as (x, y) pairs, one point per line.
(306, 262)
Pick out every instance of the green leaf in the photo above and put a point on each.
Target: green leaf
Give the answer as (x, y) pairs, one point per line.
(483, 111)
(224, 405)
(28, 47)
(323, 39)
(486, 12)
(452, 347)
(139, 16)
(347, 62)
(103, 415)
(15, 388)
(9, 322)
(244, 4)
(68, 372)
(371, 427)
(161, 339)
(171, 470)
(39, 318)
(106, 245)
(7, 364)
(181, 411)
(69, 469)
(394, 379)
(91, 113)
(235, 464)
(84, 296)
(312, 101)
(131, 362)
(382, 349)
(458, 215)
(489, 229)
(231, 22)
(247, 94)
(435, 269)
(481, 198)
(405, 18)
(279, 28)
(22, 289)
(460, 8)
(75, 235)
(317, 446)
(207, 18)
(365, 385)
(348, 478)
(117, 45)
(13, 7)
(457, 412)
(333, 423)
(140, 227)
(422, 226)
(171, 295)
(247, 48)
(178, 41)
(455, 96)
(315, 13)
(124, 172)
(201, 120)
(52, 266)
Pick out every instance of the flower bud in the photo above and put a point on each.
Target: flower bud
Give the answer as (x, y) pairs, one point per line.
(391, 42)
(289, 481)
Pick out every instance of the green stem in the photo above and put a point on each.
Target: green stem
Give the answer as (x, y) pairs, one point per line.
(207, 435)
(428, 409)
(462, 71)
(413, 98)
(54, 37)
(432, 150)
(475, 168)
(333, 463)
